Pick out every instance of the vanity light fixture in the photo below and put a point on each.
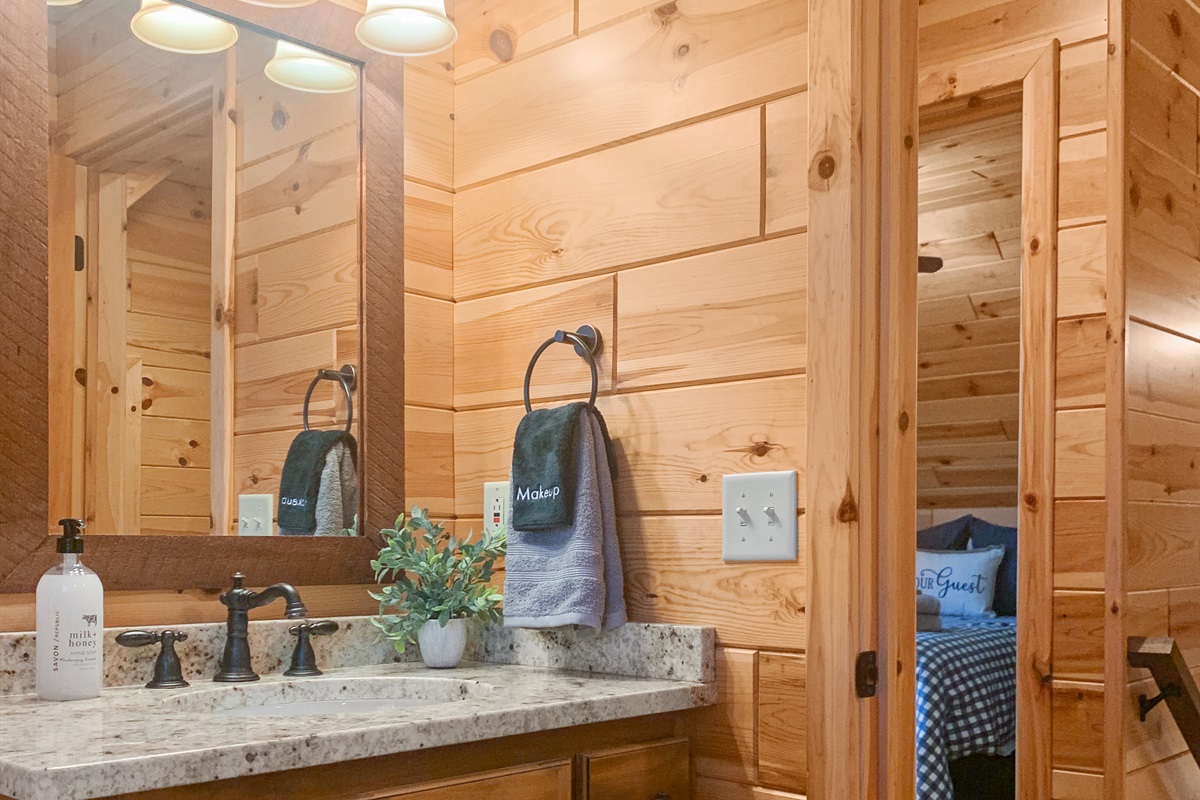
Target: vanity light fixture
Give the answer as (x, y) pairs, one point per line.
(177, 29)
(406, 27)
(63, 2)
(307, 70)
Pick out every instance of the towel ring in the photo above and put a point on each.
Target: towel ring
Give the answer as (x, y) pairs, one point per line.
(587, 344)
(347, 378)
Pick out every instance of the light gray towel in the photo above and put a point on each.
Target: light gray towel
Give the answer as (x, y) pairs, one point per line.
(337, 499)
(928, 604)
(572, 575)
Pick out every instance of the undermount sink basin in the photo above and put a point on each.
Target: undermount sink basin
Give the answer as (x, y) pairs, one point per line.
(320, 696)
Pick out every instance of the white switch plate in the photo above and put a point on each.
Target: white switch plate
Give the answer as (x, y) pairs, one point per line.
(495, 505)
(758, 517)
(256, 514)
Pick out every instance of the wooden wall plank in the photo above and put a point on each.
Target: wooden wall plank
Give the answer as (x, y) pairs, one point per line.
(1162, 459)
(1082, 192)
(1079, 460)
(1079, 533)
(786, 164)
(782, 721)
(429, 136)
(175, 393)
(1163, 284)
(272, 118)
(494, 338)
(168, 491)
(1078, 738)
(1176, 779)
(674, 573)
(724, 737)
(429, 461)
(1081, 254)
(1164, 206)
(429, 352)
(1082, 349)
(722, 315)
(428, 241)
(272, 377)
(1083, 89)
(651, 71)
(685, 190)
(496, 32)
(1079, 635)
(1169, 123)
(1163, 373)
(1162, 545)
(175, 443)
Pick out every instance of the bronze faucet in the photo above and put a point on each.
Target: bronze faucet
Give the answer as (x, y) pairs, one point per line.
(235, 661)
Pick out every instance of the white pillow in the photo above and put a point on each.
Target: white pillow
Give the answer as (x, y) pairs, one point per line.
(963, 580)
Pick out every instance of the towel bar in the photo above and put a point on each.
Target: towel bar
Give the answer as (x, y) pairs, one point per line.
(587, 344)
(347, 378)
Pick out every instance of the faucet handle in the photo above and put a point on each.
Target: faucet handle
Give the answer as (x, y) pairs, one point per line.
(304, 660)
(168, 673)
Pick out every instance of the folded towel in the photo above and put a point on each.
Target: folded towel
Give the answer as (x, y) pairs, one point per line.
(300, 483)
(929, 623)
(928, 604)
(337, 500)
(570, 575)
(544, 468)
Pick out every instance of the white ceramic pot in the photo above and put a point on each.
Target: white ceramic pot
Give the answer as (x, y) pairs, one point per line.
(442, 648)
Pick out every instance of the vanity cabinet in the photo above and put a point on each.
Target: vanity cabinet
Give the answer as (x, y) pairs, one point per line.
(655, 771)
(533, 782)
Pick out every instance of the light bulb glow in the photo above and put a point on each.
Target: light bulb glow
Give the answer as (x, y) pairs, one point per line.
(280, 3)
(63, 2)
(406, 27)
(307, 70)
(177, 29)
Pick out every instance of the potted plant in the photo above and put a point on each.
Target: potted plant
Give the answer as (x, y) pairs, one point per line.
(437, 583)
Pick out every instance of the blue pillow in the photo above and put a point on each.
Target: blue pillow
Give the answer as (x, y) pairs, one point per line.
(952, 535)
(985, 534)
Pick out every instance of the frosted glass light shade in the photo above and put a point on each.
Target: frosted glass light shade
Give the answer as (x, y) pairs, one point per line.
(298, 67)
(406, 27)
(280, 3)
(63, 2)
(177, 29)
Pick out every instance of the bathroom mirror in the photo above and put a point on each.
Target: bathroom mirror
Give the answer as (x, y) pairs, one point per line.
(199, 239)
(160, 421)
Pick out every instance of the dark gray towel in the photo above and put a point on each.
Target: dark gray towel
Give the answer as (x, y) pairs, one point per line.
(544, 468)
(300, 483)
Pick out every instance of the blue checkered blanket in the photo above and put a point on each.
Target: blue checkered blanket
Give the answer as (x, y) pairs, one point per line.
(966, 698)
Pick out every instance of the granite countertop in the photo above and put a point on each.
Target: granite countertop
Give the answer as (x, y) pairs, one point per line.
(133, 739)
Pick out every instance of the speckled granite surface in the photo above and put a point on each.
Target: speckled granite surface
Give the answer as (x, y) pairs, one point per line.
(133, 739)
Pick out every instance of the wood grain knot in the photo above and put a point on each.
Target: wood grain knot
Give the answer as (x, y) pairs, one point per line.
(904, 421)
(667, 11)
(183, 462)
(147, 381)
(826, 167)
(221, 100)
(1176, 25)
(1035, 244)
(501, 45)
(1115, 609)
(115, 390)
(683, 50)
(81, 376)
(1169, 203)
(146, 404)
(1112, 49)
(703, 479)
(848, 510)
(1135, 196)
(1031, 501)
(193, 443)
(280, 117)
(908, 142)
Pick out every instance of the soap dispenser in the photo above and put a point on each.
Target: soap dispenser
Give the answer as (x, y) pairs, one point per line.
(70, 624)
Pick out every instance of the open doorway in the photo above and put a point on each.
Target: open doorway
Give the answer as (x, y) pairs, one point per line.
(968, 392)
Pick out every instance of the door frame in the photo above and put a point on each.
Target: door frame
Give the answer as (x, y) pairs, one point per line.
(865, 92)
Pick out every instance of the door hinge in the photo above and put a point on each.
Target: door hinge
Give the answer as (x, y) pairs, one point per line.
(866, 674)
(80, 260)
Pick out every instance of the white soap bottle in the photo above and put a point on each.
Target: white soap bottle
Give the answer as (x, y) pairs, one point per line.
(70, 624)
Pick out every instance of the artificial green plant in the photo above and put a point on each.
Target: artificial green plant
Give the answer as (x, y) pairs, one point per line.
(433, 575)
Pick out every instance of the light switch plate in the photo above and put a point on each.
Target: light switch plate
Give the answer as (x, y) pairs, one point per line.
(495, 505)
(758, 517)
(256, 514)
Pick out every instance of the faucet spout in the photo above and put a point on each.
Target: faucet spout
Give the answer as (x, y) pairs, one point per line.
(235, 661)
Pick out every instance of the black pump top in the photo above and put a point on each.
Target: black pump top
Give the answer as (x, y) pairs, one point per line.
(70, 541)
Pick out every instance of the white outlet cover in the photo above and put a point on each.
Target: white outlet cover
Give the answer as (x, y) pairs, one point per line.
(495, 505)
(753, 533)
(256, 514)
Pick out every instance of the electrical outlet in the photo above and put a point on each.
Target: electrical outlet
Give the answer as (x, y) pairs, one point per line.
(256, 514)
(495, 505)
(759, 517)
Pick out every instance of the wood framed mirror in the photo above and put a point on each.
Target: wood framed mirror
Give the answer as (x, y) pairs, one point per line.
(158, 560)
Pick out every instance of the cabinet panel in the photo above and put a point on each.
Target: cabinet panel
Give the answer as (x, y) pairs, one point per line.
(535, 782)
(643, 772)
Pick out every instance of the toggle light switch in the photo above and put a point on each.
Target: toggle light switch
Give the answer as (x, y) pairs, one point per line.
(770, 531)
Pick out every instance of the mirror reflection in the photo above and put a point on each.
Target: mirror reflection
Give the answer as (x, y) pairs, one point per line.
(204, 272)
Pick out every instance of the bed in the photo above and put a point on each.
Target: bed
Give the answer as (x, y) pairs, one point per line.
(966, 698)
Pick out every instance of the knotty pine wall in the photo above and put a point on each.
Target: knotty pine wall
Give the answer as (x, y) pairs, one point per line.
(1161, 414)
(641, 168)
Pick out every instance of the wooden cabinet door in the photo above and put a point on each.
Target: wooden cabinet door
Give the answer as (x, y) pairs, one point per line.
(534, 782)
(657, 771)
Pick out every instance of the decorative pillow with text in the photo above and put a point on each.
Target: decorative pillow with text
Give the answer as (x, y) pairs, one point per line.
(964, 581)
